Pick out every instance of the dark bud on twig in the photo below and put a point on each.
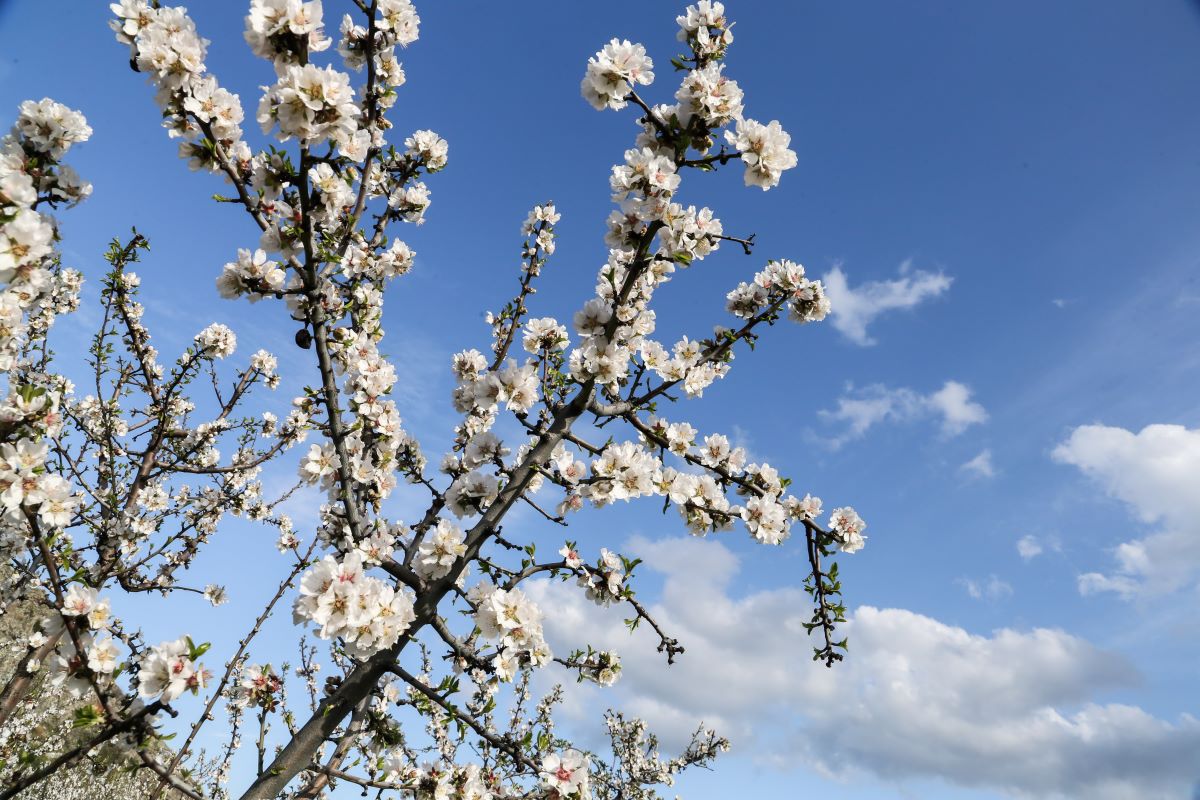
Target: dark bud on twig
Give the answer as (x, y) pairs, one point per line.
(303, 339)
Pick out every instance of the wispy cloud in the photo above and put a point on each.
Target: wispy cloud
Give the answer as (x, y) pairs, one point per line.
(861, 409)
(981, 465)
(1029, 547)
(853, 309)
(991, 588)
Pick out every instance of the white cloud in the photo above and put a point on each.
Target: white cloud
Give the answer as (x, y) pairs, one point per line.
(991, 589)
(953, 401)
(1154, 471)
(854, 309)
(861, 409)
(872, 405)
(1029, 548)
(1014, 711)
(981, 465)
(1096, 583)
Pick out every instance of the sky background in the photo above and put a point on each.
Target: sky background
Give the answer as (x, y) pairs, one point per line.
(1003, 197)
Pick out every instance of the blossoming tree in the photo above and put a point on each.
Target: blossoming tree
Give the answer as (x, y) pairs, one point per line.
(430, 643)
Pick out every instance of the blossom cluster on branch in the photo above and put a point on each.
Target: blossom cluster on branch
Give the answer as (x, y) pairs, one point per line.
(429, 642)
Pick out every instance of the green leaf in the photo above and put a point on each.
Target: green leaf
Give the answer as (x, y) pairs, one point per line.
(197, 650)
(85, 717)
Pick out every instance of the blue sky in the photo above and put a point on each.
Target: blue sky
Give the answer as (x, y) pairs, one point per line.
(1043, 158)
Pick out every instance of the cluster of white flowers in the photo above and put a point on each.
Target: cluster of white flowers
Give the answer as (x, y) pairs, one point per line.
(439, 550)
(638, 749)
(399, 17)
(170, 669)
(513, 619)
(32, 415)
(84, 601)
(216, 341)
(689, 235)
(331, 194)
(603, 667)
(717, 452)
(216, 107)
(374, 452)
(483, 387)
(481, 390)
(307, 102)
(173, 53)
(378, 267)
(312, 104)
(705, 28)
(397, 24)
(539, 226)
(69, 669)
(429, 148)
(259, 686)
(764, 150)
(484, 448)
(706, 100)
(32, 289)
(91, 617)
(644, 173)
(848, 527)
(366, 613)
(50, 128)
(616, 325)
(379, 544)
(276, 29)
(566, 775)
(708, 94)
(604, 583)
(471, 493)
(166, 48)
(701, 501)
(808, 507)
(25, 484)
(613, 72)
(410, 202)
(781, 282)
(766, 519)
(252, 275)
(625, 471)
(442, 781)
(543, 334)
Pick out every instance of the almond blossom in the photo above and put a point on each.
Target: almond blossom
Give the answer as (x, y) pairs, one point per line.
(113, 489)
